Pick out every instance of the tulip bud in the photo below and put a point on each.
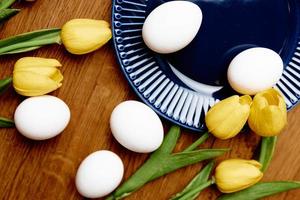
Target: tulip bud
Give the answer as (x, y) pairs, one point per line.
(237, 174)
(227, 118)
(81, 36)
(34, 76)
(268, 115)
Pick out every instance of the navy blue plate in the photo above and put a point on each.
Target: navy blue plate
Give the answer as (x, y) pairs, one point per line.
(181, 87)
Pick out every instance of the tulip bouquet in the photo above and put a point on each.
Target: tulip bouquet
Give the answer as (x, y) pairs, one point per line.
(267, 116)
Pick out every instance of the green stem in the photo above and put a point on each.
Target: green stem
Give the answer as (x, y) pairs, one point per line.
(29, 41)
(6, 3)
(191, 195)
(200, 178)
(268, 145)
(198, 142)
(6, 123)
(178, 160)
(23, 45)
(4, 84)
(169, 142)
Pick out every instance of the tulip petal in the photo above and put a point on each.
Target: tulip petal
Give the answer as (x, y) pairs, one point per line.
(32, 62)
(246, 99)
(32, 84)
(93, 22)
(227, 118)
(57, 76)
(50, 72)
(81, 36)
(255, 163)
(269, 121)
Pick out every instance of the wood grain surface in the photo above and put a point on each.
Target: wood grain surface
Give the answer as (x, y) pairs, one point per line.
(92, 87)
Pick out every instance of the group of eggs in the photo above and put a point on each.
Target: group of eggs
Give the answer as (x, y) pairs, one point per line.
(172, 26)
(133, 124)
(169, 28)
(136, 127)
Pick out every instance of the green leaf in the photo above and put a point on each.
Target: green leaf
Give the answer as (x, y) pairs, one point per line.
(6, 123)
(198, 142)
(179, 160)
(4, 84)
(261, 190)
(268, 145)
(29, 41)
(7, 13)
(169, 142)
(6, 3)
(193, 194)
(199, 179)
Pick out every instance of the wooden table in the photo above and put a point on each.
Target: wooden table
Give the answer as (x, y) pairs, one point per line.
(92, 87)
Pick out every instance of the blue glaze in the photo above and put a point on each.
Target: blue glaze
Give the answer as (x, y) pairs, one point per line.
(229, 27)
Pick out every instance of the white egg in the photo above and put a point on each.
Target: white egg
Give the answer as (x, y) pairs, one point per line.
(137, 127)
(99, 174)
(172, 26)
(42, 117)
(255, 70)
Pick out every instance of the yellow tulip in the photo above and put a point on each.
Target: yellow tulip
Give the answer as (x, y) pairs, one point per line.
(268, 115)
(237, 174)
(34, 76)
(81, 36)
(227, 118)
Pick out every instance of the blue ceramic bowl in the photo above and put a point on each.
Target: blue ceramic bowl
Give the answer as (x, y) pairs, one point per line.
(181, 87)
